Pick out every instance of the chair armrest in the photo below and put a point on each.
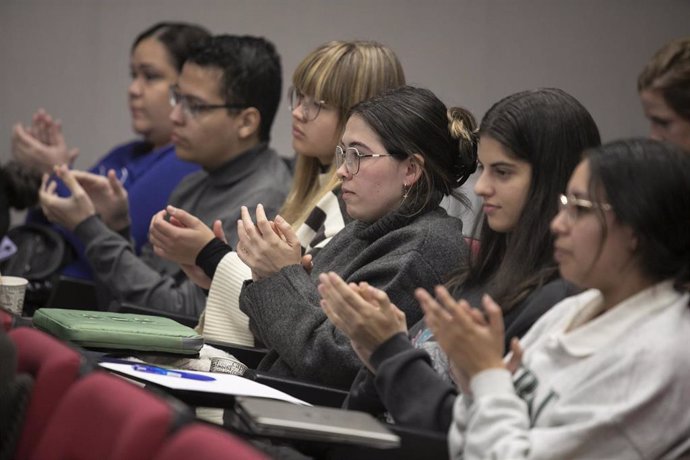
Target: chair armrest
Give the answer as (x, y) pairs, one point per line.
(318, 395)
(125, 307)
(250, 356)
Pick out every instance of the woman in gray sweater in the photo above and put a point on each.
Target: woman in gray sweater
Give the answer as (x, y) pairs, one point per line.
(400, 153)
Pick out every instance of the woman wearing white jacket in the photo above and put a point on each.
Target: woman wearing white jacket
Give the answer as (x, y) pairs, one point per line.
(605, 374)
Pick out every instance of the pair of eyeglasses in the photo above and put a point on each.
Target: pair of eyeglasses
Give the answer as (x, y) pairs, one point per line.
(351, 157)
(575, 207)
(192, 108)
(310, 107)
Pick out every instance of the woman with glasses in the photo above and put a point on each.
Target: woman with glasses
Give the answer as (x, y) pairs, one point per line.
(156, 59)
(325, 85)
(400, 153)
(603, 374)
(529, 143)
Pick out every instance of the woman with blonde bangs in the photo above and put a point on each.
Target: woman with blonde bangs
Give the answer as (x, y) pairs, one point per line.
(326, 84)
(340, 74)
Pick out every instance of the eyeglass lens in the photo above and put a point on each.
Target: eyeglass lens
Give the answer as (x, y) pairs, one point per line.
(348, 156)
(177, 98)
(310, 108)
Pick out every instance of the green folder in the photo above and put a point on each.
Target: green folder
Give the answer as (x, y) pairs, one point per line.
(100, 329)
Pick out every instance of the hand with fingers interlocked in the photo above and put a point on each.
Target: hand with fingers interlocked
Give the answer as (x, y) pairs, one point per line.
(267, 246)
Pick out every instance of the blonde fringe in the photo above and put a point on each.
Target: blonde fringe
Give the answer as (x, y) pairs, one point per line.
(306, 190)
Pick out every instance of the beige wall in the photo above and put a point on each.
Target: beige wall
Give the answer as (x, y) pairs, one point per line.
(71, 56)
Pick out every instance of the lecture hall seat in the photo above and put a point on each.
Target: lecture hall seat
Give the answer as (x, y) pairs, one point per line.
(107, 418)
(202, 442)
(6, 320)
(54, 368)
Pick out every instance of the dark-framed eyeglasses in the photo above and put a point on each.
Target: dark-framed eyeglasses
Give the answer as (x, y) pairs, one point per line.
(310, 107)
(575, 207)
(192, 108)
(351, 157)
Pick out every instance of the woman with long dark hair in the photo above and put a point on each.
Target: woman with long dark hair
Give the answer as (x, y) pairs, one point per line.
(602, 374)
(529, 143)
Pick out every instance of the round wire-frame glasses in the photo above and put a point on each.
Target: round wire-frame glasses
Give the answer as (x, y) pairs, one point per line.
(351, 158)
(310, 107)
(575, 207)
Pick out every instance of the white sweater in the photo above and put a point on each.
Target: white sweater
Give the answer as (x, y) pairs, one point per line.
(594, 385)
(222, 318)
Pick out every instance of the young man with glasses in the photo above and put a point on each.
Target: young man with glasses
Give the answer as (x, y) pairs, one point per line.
(224, 104)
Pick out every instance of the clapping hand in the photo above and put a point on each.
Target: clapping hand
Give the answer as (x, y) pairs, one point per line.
(268, 246)
(182, 237)
(41, 146)
(473, 343)
(108, 196)
(69, 211)
(365, 314)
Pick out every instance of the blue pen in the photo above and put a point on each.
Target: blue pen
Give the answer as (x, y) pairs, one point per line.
(171, 373)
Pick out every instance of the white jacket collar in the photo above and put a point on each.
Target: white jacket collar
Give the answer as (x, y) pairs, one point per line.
(586, 330)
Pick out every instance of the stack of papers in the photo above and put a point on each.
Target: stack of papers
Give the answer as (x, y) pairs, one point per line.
(225, 384)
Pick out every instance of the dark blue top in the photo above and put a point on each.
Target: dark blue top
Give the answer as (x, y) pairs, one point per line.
(148, 176)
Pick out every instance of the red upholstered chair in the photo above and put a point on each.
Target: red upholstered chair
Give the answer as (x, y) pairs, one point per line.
(10, 320)
(6, 320)
(203, 442)
(105, 417)
(54, 368)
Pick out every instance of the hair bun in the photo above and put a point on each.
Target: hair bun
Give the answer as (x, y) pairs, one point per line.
(463, 128)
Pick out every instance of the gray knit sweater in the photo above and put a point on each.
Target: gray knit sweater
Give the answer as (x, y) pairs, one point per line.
(257, 176)
(396, 254)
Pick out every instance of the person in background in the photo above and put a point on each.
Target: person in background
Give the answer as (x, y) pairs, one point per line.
(325, 85)
(664, 88)
(601, 374)
(529, 143)
(224, 105)
(156, 59)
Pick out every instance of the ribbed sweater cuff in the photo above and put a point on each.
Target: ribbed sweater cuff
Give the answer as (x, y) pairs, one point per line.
(210, 256)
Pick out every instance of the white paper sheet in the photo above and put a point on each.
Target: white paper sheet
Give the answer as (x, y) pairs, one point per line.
(226, 384)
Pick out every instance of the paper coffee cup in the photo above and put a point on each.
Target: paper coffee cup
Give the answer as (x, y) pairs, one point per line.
(12, 290)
